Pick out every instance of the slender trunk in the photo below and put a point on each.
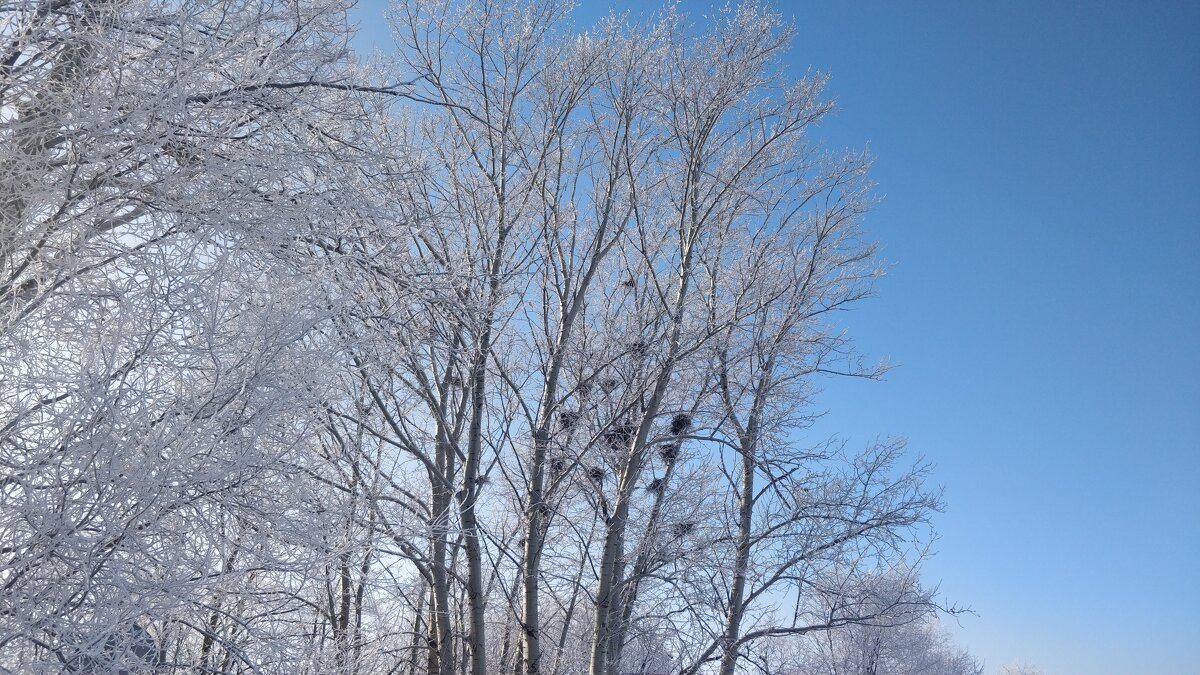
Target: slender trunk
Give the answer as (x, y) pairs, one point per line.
(506, 647)
(640, 568)
(616, 611)
(341, 623)
(214, 617)
(419, 633)
(733, 617)
(510, 657)
(611, 565)
(614, 549)
(570, 613)
(464, 646)
(441, 654)
(534, 543)
(536, 512)
(476, 600)
(364, 570)
(346, 592)
(606, 652)
(748, 437)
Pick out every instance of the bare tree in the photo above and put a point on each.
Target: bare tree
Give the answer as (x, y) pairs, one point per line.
(158, 168)
(493, 357)
(1020, 669)
(907, 644)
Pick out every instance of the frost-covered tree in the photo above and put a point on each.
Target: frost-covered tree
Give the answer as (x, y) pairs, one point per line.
(159, 177)
(913, 646)
(1023, 668)
(493, 356)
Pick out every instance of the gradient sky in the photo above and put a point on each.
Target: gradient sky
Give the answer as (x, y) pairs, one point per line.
(1039, 169)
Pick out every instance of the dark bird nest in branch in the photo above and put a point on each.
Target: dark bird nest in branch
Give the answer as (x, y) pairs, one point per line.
(567, 419)
(620, 436)
(639, 349)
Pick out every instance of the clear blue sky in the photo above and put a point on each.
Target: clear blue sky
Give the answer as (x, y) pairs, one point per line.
(1039, 164)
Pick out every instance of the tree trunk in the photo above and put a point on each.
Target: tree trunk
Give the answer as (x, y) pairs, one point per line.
(534, 541)
(607, 598)
(733, 617)
(640, 567)
(441, 654)
(606, 592)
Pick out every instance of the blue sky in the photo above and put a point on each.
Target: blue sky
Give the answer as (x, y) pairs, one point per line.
(1039, 168)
